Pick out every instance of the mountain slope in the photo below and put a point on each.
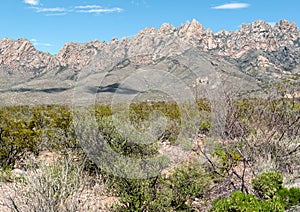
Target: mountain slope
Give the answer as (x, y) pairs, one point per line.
(254, 54)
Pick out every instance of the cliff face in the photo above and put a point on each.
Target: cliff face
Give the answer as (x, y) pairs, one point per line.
(279, 45)
(257, 50)
(21, 56)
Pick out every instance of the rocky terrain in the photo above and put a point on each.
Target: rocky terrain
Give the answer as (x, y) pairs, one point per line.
(254, 54)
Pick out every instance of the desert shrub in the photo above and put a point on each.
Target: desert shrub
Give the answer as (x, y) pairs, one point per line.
(205, 126)
(226, 160)
(19, 134)
(5, 174)
(25, 129)
(142, 127)
(119, 149)
(142, 111)
(272, 111)
(161, 119)
(267, 184)
(56, 124)
(289, 197)
(134, 194)
(173, 193)
(256, 130)
(239, 201)
(204, 105)
(270, 195)
(129, 143)
(102, 110)
(187, 182)
(50, 187)
(265, 129)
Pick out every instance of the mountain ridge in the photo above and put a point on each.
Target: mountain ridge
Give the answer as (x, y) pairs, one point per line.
(258, 35)
(257, 50)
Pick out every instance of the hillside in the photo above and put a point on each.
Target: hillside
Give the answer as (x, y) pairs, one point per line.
(254, 54)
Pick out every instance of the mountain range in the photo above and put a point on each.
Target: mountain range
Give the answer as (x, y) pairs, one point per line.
(167, 59)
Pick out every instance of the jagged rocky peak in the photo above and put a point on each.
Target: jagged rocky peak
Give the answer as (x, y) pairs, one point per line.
(148, 30)
(259, 26)
(166, 29)
(95, 44)
(287, 32)
(270, 38)
(21, 54)
(20, 45)
(151, 44)
(286, 26)
(114, 41)
(191, 29)
(258, 35)
(77, 55)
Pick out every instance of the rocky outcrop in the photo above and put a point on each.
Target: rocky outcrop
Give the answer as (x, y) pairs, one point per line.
(256, 52)
(20, 56)
(281, 42)
(76, 56)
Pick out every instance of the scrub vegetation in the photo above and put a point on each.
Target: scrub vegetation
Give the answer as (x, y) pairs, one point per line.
(249, 163)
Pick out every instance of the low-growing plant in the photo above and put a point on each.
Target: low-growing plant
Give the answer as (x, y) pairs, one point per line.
(227, 158)
(241, 202)
(25, 129)
(289, 197)
(18, 135)
(270, 195)
(174, 192)
(50, 187)
(187, 182)
(267, 184)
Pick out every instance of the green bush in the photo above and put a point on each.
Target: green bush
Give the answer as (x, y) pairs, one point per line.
(139, 112)
(134, 194)
(25, 129)
(187, 182)
(268, 184)
(56, 124)
(239, 201)
(271, 196)
(19, 134)
(289, 197)
(227, 159)
(174, 193)
(128, 142)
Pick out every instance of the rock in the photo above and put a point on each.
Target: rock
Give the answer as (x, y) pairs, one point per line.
(76, 56)
(295, 183)
(166, 29)
(257, 50)
(20, 57)
(18, 173)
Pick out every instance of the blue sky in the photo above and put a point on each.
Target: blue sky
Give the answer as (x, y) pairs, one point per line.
(51, 23)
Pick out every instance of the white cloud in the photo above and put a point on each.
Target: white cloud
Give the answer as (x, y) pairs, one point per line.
(49, 9)
(101, 10)
(31, 2)
(60, 11)
(55, 14)
(88, 7)
(231, 6)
